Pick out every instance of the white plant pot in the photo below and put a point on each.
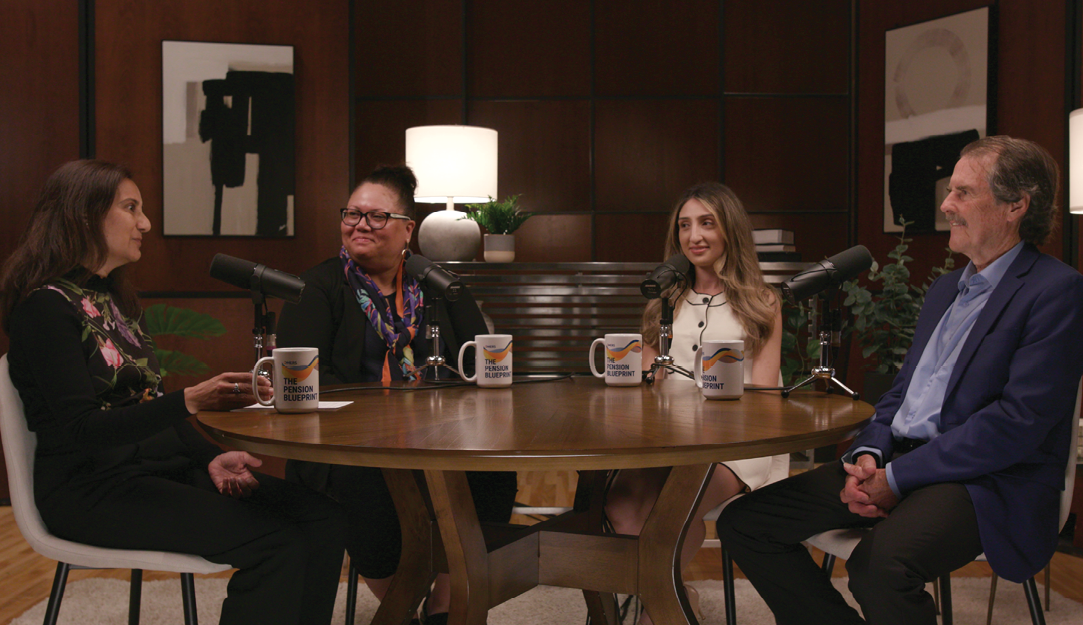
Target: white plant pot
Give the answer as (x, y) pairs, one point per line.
(499, 248)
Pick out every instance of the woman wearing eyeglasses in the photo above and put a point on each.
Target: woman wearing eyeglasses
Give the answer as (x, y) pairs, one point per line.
(366, 316)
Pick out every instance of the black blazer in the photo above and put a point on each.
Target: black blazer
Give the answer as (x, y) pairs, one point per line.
(329, 318)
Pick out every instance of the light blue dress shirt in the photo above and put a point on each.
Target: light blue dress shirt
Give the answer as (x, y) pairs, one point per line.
(918, 416)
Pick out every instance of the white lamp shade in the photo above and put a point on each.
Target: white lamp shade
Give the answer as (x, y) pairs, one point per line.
(1075, 161)
(457, 162)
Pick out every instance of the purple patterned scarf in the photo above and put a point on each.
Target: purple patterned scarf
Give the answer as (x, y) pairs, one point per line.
(396, 332)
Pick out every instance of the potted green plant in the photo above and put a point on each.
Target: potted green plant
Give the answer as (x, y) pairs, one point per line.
(884, 319)
(501, 219)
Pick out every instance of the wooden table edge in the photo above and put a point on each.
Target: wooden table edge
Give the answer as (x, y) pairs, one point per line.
(467, 460)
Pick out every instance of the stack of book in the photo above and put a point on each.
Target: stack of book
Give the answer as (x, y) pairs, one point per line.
(774, 245)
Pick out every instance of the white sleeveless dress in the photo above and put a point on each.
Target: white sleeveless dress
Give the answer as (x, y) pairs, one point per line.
(710, 317)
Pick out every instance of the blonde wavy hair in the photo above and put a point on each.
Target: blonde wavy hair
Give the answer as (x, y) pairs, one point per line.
(753, 301)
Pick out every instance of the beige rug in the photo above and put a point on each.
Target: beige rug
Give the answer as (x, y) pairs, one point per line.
(105, 602)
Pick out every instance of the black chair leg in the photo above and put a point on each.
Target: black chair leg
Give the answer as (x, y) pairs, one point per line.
(945, 600)
(57, 594)
(1047, 585)
(351, 594)
(1034, 602)
(135, 596)
(727, 588)
(992, 598)
(188, 598)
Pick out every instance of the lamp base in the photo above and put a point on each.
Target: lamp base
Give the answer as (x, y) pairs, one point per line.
(449, 235)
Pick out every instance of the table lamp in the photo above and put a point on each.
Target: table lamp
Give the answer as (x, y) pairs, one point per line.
(1075, 162)
(453, 164)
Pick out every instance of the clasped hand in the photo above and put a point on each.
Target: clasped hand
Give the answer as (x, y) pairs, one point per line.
(866, 491)
(231, 475)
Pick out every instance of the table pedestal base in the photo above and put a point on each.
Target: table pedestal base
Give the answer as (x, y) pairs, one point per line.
(491, 565)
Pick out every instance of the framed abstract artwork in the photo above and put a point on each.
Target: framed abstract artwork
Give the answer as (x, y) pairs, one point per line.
(228, 119)
(940, 94)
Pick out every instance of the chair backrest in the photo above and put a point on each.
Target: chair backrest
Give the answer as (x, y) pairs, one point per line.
(1073, 458)
(19, 446)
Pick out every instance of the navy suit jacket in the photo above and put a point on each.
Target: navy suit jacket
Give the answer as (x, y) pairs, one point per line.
(1006, 418)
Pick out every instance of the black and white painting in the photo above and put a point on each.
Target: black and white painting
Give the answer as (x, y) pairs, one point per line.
(936, 100)
(227, 139)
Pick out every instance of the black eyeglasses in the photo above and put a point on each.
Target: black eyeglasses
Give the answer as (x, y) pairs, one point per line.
(376, 219)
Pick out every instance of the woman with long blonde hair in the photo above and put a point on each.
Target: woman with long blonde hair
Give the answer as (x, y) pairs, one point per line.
(723, 297)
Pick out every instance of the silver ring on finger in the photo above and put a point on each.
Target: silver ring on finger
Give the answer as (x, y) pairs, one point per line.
(236, 388)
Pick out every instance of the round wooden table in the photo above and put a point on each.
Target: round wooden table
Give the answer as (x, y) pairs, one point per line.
(577, 423)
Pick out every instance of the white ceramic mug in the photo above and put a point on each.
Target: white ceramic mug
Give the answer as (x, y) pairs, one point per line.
(720, 369)
(623, 359)
(492, 365)
(295, 377)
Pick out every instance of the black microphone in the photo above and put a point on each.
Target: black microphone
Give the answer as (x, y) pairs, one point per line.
(431, 275)
(846, 265)
(249, 275)
(663, 277)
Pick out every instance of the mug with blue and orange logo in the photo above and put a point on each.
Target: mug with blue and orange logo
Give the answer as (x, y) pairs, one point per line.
(623, 359)
(296, 379)
(720, 369)
(493, 362)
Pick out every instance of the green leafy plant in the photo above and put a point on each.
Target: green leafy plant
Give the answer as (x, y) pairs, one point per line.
(800, 350)
(499, 217)
(163, 320)
(884, 319)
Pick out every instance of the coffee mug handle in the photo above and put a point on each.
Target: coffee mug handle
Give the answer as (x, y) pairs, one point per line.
(462, 352)
(255, 381)
(697, 367)
(593, 346)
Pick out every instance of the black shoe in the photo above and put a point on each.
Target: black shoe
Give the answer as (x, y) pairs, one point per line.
(439, 618)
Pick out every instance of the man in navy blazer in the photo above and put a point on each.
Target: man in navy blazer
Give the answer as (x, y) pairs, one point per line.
(966, 453)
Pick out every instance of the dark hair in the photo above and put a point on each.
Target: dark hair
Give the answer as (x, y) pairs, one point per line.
(401, 180)
(65, 234)
(1023, 168)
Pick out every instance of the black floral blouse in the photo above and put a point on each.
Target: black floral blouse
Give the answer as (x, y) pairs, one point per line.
(119, 352)
(92, 393)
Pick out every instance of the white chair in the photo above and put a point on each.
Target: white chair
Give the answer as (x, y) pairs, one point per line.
(841, 543)
(19, 445)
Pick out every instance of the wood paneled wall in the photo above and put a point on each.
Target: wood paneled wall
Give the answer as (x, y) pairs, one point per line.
(128, 42)
(128, 101)
(39, 112)
(1030, 100)
(607, 110)
(1030, 104)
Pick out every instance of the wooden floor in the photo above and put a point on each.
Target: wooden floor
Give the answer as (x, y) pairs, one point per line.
(27, 577)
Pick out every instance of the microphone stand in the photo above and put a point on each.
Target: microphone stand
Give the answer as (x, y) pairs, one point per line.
(665, 333)
(264, 321)
(264, 324)
(432, 332)
(830, 329)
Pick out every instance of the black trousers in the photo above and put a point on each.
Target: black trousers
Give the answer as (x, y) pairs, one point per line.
(932, 532)
(286, 540)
